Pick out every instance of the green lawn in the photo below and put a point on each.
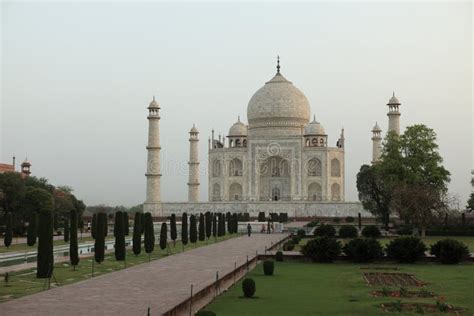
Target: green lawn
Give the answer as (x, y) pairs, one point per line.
(25, 282)
(468, 241)
(339, 289)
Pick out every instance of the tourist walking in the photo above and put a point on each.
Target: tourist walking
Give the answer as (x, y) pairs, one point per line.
(249, 229)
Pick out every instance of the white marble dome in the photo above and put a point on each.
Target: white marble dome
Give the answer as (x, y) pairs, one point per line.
(238, 129)
(278, 104)
(314, 128)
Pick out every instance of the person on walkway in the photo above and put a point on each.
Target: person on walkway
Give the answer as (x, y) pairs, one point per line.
(268, 227)
(249, 229)
(263, 229)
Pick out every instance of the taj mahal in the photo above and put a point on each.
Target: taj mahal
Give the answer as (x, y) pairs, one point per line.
(281, 161)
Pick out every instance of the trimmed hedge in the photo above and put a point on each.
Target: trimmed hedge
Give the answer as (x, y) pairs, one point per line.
(288, 246)
(450, 251)
(407, 249)
(205, 313)
(248, 286)
(348, 231)
(363, 250)
(301, 233)
(322, 249)
(371, 231)
(279, 256)
(295, 239)
(268, 267)
(325, 230)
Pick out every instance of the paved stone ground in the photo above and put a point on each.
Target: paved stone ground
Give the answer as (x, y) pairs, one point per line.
(160, 284)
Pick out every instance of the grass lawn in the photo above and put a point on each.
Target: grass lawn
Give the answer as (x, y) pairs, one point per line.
(468, 241)
(339, 289)
(25, 282)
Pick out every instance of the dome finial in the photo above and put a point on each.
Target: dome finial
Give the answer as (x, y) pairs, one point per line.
(393, 95)
(278, 64)
(314, 117)
(238, 118)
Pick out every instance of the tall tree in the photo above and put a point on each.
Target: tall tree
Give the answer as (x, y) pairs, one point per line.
(119, 234)
(66, 230)
(126, 228)
(235, 220)
(184, 229)
(149, 234)
(202, 231)
(192, 229)
(73, 249)
(163, 236)
(261, 216)
(32, 229)
(45, 258)
(221, 225)
(7, 241)
(173, 230)
(228, 218)
(214, 225)
(99, 245)
(137, 234)
(94, 226)
(208, 221)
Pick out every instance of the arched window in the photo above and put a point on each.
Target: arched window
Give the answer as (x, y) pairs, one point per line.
(314, 142)
(314, 168)
(335, 192)
(235, 168)
(335, 168)
(275, 194)
(315, 192)
(216, 168)
(235, 192)
(216, 192)
(244, 143)
(237, 143)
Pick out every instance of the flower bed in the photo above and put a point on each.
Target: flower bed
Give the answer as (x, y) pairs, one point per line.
(391, 279)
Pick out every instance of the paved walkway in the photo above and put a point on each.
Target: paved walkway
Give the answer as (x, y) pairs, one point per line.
(160, 284)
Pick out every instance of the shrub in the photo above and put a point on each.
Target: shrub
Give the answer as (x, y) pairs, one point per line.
(363, 250)
(349, 219)
(279, 256)
(288, 246)
(205, 313)
(371, 231)
(322, 249)
(406, 249)
(295, 239)
(405, 230)
(336, 220)
(301, 233)
(261, 217)
(449, 251)
(248, 286)
(348, 231)
(313, 223)
(325, 230)
(268, 267)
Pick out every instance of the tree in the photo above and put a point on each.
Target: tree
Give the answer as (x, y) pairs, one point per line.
(173, 231)
(202, 232)
(45, 258)
(184, 229)
(126, 228)
(7, 241)
(73, 254)
(261, 216)
(220, 225)
(228, 218)
(214, 225)
(235, 219)
(94, 226)
(208, 221)
(149, 234)
(192, 229)
(99, 245)
(66, 230)
(163, 236)
(119, 234)
(470, 203)
(137, 234)
(32, 229)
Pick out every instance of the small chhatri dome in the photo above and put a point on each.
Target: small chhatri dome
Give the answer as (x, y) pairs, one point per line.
(238, 129)
(376, 128)
(26, 162)
(314, 128)
(194, 129)
(154, 104)
(393, 100)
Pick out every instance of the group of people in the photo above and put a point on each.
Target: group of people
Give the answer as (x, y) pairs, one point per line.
(269, 228)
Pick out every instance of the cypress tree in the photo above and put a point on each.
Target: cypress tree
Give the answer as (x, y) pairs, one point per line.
(228, 218)
(149, 234)
(106, 226)
(119, 234)
(192, 229)
(94, 226)
(214, 225)
(184, 229)
(32, 229)
(208, 221)
(126, 228)
(66, 230)
(137, 234)
(202, 233)
(99, 245)
(73, 254)
(45, 259)
(221, 225)
(143, 223)
(261, 216)
(235, 218)
(9, 229)
(163, 236)
(173, 231)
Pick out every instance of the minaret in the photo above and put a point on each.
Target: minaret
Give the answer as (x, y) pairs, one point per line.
(26, 168)
(153, 175)
(193, 182)
(376, 143)
(394, 114)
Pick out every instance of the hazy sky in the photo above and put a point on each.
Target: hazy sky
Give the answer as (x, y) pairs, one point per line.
(77, 78)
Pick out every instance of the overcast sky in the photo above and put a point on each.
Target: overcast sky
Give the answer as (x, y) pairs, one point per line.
(77, 78)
